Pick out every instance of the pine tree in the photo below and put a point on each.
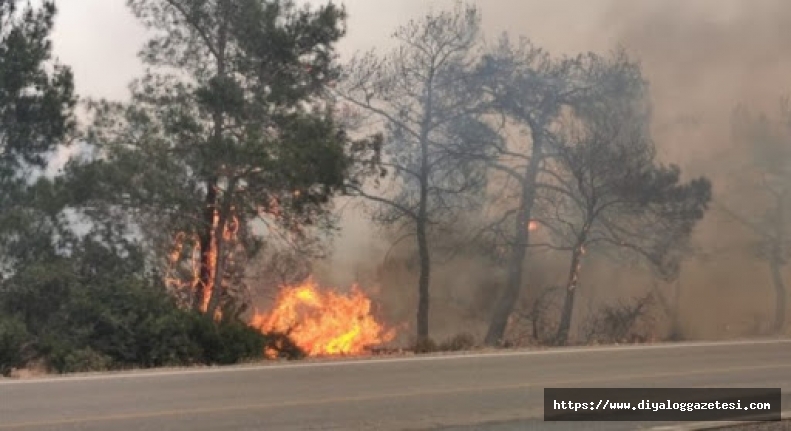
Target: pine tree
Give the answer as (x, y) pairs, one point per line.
(229, 137)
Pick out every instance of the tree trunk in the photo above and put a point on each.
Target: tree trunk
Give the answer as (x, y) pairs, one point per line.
(562, 337)
(507, 301)
(776, 265)
(423, 283)
(219, 235)
(571, 290)
(209, 240)
(424, 297)
(676, 316)
(780, 295)
(206, 246)
(672, 308)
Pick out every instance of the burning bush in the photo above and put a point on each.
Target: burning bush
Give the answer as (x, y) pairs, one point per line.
(324, 322)
(281, 346)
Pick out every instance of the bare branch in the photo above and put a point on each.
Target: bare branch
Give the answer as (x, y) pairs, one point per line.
(401, 208)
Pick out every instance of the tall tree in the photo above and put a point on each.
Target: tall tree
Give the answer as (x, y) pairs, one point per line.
(538, 95)
(228, 137)
(764, 180)
(610, 193)
(532, 91)
(527, 87)
(420, 93)
(36, 115)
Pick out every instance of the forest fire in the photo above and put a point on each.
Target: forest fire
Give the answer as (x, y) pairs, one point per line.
(324, 322)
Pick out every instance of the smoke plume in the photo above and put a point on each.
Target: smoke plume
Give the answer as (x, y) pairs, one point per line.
(702, 58)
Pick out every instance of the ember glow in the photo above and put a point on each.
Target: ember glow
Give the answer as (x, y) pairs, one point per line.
(184, 263)
(532, 225)
(324, 322)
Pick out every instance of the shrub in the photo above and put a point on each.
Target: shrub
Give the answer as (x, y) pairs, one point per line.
(535, 319)
(76, 360)
(425, 345)
(106, 323)
(463, 341)
(14, 342)
(93, 311)
(227, 341)
(623, 322)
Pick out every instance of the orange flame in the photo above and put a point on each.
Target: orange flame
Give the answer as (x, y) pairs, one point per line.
(532, 225)
(192, 282)
(324, 322)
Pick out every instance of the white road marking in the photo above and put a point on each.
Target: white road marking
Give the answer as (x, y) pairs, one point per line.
(377, 360)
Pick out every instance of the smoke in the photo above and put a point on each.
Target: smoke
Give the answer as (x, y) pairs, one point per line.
(701, 58)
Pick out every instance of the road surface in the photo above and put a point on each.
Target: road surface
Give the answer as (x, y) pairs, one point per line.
(496, 391)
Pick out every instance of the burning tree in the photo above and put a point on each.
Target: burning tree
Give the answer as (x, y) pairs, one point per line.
(607, 191)
(544, 99)
(228, 138)
(424, 95)
(533, 93)
(528, 89)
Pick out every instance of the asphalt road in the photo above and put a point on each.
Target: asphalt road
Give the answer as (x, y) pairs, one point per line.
(466, 392)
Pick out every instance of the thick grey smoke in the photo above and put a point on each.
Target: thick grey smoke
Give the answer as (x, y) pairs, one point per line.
(701, 57)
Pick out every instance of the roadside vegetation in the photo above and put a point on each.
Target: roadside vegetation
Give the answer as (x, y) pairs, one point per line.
(128, 238)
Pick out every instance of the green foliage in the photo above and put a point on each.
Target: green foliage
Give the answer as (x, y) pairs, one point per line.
(14, 340)
(69, 359)
(35, 104)
(231, 116)
(91, 303)
(94, 311)
(229, 342)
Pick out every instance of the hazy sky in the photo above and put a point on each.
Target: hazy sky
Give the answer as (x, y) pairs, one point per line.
(100, 38)
(700, 56)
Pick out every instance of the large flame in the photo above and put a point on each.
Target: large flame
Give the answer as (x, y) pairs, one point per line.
(324, 322)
